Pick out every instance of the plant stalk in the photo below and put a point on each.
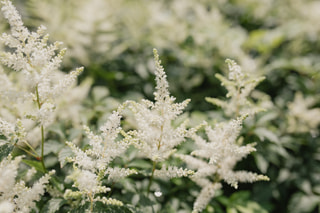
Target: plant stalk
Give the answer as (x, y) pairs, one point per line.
(42, 133)
(151, 177)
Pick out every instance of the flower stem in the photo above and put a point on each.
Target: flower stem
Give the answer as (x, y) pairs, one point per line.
(42, 148)
(42, 132)
(151, 177)
(27, 151)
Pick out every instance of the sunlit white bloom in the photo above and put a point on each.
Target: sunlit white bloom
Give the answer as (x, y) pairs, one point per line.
(240, 86)
(92, 164)
(16, 195)
(35, 89)
(109, 201)
(172, 172)
(31, 172)
(155, 132)
(216, 158)
(87, 181)
(235, 71)
(206, 194)
(115, 173)
(7, 129)
(8, 174)
(6, 207)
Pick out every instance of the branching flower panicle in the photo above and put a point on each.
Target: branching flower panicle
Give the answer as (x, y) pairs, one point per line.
(301, 117)
(16, 196)
(37, 82)
(92, 165)
(155, 132)
(216, 158)
(31, 55)
(239, 85)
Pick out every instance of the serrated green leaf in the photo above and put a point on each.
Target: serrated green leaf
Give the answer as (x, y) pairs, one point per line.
(36, 164)
(5, 150)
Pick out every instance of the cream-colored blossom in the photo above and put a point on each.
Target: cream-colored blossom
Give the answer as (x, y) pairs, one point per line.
(156, 134)
(116, 173)
(301, 116)
(93, 164)
(16, 195)
(240, 86)
(214, 160)
(34, 91)
(6, 207)
(206, 194)
(172, 172)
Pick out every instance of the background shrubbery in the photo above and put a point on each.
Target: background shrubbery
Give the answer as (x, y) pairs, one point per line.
(114, 39)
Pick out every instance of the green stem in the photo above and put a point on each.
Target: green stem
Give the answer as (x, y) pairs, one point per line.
(42, 131)
(27, 151)
(42, 148)
(91, 202)
(30, 147)
(151, 177)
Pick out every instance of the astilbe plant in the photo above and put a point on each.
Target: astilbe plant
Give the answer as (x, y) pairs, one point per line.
(239, 84)
(92, 165)
(302, 117)
(153, 134)
(30, 54)
(157, 138)
(214, 160)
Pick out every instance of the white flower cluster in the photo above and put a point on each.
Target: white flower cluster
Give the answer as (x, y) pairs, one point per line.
(301, 117)
(172, 172)
(16, 196)
(155, 132)
(239, 85)
(34, 91)
(39, 85)
(91, 165)
(215, 159)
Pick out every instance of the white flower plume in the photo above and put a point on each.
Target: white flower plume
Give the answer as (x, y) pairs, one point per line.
(92, 165)
(16, 195)
(156, 134)
(240, 86)
(215, 159)
(36, 62)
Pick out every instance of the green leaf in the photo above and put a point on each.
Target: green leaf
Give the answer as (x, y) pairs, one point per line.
(52, 147)
(262, 163)
(264, 133)
(302, 203)
(5, 150)
(63, 154)
(53, 205)
(143, 164)
(56, 128)
(145, 201)
(267, 117)
(36, 164)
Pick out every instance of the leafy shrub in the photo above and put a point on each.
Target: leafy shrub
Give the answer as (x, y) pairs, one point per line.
(87, 148)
